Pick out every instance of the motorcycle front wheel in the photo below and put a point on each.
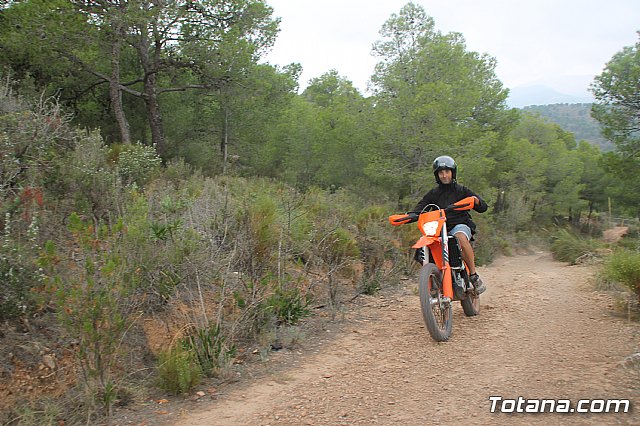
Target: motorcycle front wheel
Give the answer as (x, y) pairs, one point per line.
(436, 312)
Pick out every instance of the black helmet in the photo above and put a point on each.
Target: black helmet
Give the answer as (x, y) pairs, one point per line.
(444, 162)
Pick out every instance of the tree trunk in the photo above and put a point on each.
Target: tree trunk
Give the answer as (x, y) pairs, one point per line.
(155, 116)
(151, 96)
(224, 143)
(115, 93)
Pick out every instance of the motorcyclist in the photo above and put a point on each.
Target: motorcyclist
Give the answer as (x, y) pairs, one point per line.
(459, 223)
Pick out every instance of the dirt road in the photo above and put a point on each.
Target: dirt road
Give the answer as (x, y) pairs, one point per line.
(542, 333)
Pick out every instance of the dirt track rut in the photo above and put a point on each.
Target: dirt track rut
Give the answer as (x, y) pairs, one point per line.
(542, 333)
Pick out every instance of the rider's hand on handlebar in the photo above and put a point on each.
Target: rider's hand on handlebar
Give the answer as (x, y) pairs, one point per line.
(464, 204)
(401, 219)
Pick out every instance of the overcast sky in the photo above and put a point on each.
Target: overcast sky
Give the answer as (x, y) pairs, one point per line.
(559, 43)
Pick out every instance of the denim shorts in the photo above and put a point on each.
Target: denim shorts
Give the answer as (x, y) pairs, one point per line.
(461, 228)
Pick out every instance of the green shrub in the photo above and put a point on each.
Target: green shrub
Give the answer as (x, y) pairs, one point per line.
(156, 249)
(567, 246)
(486, 243)
(92, 294)
(19, 273)
(15, 292)
(371, 285)
(31, 136)
(372, 216)
(289, 305)
(211, 350)
(138, 163)
(45, 411)
(624, 266)
(264, 230)
(300, 230)
(178, 370)
(88, 178)
(631, 241)
(342, 245)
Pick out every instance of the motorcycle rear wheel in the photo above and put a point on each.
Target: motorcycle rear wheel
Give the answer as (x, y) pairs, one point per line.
(471, 305)
(437, 313)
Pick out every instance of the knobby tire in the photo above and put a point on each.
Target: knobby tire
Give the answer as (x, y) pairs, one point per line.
(437, 315)
(471, 304)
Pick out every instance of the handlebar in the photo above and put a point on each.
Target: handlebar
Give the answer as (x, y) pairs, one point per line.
(465, 204)
(462, 205)
(401, 219)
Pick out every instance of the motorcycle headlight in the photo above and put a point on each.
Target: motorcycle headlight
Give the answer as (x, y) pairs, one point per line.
(430, 228)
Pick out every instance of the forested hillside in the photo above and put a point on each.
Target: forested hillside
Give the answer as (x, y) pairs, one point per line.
(170, 206)
(574, 118)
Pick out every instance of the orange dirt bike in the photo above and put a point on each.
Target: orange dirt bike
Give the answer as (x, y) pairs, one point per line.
(444, 277)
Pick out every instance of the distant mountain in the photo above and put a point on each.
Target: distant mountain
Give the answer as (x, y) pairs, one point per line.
(574, 118)
(522, 96)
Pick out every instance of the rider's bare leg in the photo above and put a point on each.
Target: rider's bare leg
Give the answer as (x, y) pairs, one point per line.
(467, 252)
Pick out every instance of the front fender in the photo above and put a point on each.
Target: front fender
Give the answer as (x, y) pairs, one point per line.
(425, 241)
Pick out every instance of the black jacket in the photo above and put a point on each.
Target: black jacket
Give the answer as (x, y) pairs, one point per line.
(444, 195)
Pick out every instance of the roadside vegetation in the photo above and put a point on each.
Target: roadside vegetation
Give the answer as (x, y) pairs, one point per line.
(617, 260)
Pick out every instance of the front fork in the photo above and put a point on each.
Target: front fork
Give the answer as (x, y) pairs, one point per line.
(447, 285)
(422, 257)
